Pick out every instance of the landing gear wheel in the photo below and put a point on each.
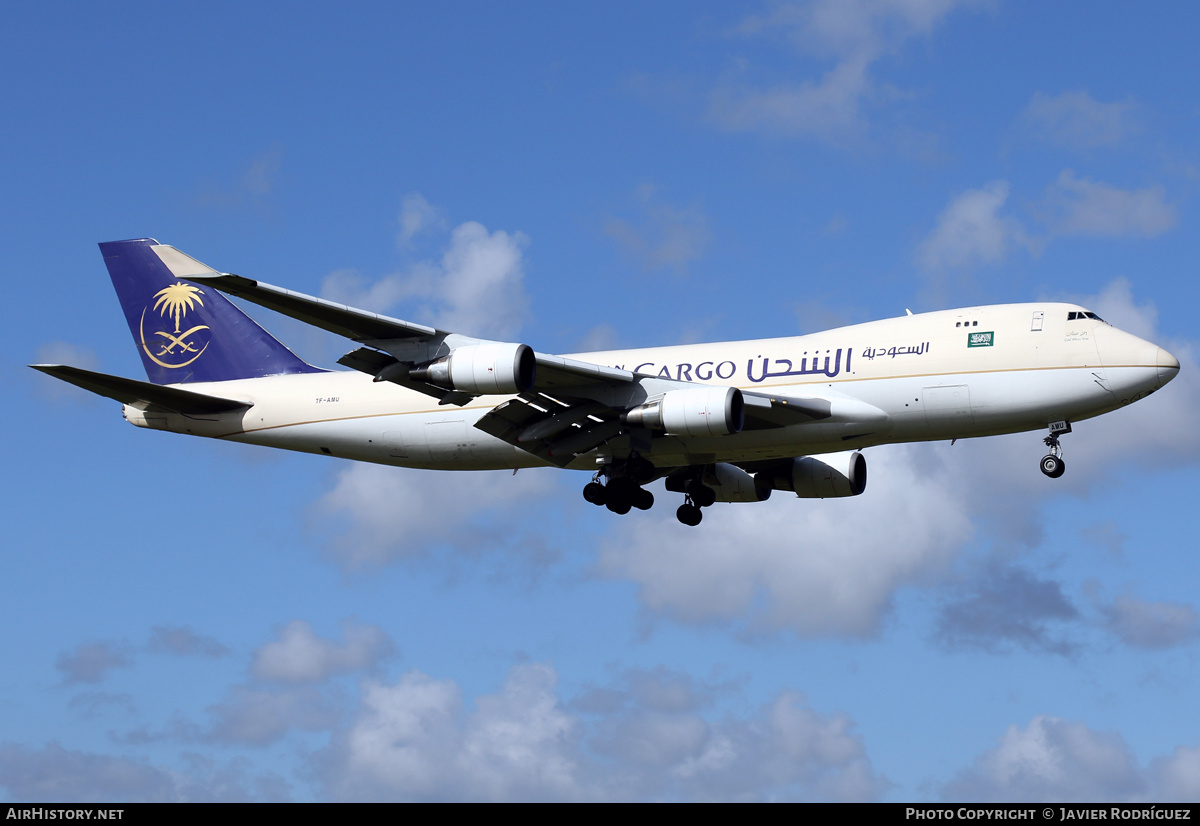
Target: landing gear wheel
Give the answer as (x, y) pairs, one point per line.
(620, 506)
(689, 515)
(643, 499)
(1053, 466)
(594, 492)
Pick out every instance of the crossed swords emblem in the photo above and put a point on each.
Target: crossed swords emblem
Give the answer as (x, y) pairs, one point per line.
(173, 341)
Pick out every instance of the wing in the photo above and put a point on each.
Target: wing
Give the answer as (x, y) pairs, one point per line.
(560, 407)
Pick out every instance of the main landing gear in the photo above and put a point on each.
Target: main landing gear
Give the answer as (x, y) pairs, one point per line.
(1052, 463)
(623, 489)
(697, 495)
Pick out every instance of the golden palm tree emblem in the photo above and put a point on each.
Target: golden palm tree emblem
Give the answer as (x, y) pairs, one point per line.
(177, 300)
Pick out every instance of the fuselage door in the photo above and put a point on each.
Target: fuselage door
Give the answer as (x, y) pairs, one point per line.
(1038, 318)
(948, 409)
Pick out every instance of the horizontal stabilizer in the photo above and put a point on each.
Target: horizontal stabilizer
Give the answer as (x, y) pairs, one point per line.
(142, 394)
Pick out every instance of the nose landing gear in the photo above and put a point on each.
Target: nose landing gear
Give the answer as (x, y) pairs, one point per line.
(1052, 463)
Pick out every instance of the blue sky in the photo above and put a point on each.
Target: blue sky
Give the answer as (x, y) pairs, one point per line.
(187, 619)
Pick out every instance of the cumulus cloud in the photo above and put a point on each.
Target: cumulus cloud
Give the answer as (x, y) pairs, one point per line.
(665, 237)
(412, 741)
(184, 642)
(974, 230)
(816, 567)
(1076, 120)
(416, 740)
(1176, 777)
(1151, 625)
(1007, 606)
(1051, 760)
(853, 35)
(477, 288)
(91, 662)
(388, 514)
(55, 774)
(971, 231)
(300, 656)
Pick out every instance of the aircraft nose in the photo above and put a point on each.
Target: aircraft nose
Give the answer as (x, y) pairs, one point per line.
(1168, 367)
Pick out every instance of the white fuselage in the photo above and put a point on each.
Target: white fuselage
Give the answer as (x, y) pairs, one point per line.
(952, 374)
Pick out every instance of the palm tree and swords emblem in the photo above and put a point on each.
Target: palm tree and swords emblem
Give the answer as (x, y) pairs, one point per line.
(176, 301)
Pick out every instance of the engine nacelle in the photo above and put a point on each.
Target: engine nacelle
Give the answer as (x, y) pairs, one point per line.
(490, 368)
(732, 484)
(695, 411)
(813, 478)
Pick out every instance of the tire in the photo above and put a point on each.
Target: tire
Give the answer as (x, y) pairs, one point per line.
(689, 515)
(622, 507)
(594, 493)
(643, 499)
(1053, 466)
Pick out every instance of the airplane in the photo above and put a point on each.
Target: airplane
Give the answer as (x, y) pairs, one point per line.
(721, 422)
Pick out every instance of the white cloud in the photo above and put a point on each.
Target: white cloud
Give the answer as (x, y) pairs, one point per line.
(827, 109)
(416, 740)
(1076, 120)
(300, 656)
(1176, 777)
(417, 216)
(477, 288)
(395, 513)
(1078, 206)
(971, 231)
(412, 741)
(854, 34)
(816, 567)
(666, 237)
(1051, 760)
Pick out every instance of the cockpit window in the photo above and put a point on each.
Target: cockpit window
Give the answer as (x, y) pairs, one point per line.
(1082, 314)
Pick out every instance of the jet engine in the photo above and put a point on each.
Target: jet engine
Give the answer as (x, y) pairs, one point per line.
(732, 484)
(485, 369)
(695, 411)
(811, 477)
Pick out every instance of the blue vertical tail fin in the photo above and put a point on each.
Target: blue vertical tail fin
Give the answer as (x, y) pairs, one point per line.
(187, 332)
